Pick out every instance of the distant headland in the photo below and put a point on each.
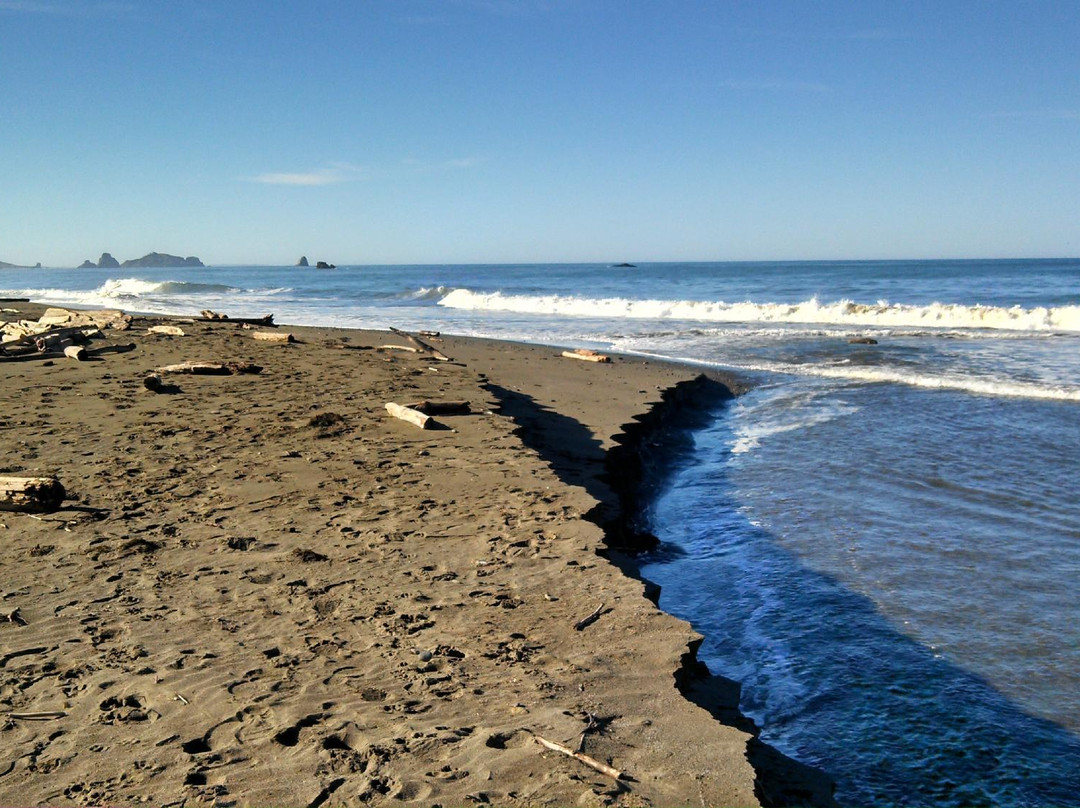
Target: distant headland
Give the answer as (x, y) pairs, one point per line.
(154, 259)
(6, 265)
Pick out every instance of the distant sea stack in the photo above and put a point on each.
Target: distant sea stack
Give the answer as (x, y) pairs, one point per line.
(156, 259)
(153, 259)
(303, 261)
(324, 265)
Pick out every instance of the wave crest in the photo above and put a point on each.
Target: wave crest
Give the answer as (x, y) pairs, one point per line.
(844, 312)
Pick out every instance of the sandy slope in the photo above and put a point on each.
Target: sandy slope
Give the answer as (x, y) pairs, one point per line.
(263, 590)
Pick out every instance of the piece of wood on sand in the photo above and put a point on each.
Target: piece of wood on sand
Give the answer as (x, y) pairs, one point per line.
(167, 330)
(214, 316)
(273, 336)
(406, 348)
(592, 763)
(31, 494)
(410, 415)
(423, 346)
(440, 407)
(585, 355)
(211, 368)
(76, 352)
(587, 621)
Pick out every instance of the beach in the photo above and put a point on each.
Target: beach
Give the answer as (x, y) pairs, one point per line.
(262, 589)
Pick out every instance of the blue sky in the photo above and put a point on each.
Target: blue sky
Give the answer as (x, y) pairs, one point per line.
(458, 131)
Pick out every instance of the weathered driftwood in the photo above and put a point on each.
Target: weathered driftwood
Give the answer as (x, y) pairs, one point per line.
(76, 352)
(423, 346)
(273, 336)
(30, 357)
(168, 330)
(440, 407)
(406, 348)
(585, 355)
(268, 320)
(211, 368)
(47, 715)
(585, 622)
(31, 494)
(153, 382)
(52, 336)
(410, 415)
(103, 318)
(592, 763)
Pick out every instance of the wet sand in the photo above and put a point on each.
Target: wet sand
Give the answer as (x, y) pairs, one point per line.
(263, 590)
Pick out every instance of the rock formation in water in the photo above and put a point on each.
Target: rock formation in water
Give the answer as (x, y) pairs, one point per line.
(156, 259)
(303, 261)
(105, 262)
(324, 265)
(6, 265)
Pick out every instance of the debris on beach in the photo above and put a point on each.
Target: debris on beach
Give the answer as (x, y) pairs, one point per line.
(274, 336)
(60, 332)
(421, 346)
(213, 316)
(440, 407)
(167, 330)
(31, 494)
(586, 355)
(412, 416)
(211, 368)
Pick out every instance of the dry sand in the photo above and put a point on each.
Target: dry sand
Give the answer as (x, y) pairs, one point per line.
(263, 590)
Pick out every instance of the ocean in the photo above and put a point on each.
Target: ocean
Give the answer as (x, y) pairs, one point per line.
(880, 541)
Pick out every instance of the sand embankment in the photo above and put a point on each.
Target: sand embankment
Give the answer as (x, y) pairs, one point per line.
(264, 590)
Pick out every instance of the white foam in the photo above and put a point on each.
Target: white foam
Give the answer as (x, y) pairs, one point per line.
(844, 312)
(1004, 388)
(770, 419)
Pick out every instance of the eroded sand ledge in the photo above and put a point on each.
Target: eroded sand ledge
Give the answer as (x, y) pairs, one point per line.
(246, 604)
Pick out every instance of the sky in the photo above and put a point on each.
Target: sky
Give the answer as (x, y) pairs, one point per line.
(490, 131)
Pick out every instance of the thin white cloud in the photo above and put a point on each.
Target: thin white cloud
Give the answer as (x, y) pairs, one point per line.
(777, 86)
(333, 175)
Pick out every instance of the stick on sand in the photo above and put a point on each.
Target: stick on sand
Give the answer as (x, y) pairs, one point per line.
(592, 763)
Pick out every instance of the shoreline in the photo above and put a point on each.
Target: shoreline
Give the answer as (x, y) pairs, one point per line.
(368, 610)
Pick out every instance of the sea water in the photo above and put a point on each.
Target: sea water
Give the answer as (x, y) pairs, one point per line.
(881, 541)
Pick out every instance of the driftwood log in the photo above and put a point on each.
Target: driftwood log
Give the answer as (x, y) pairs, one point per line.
(440, 407)
(31, 494)
(585, 355)
(213, 316)
(273, 336)
(76, 352)
(168, 330)
(52, 337)
(211, 368)
(423, 346)
(410, 415)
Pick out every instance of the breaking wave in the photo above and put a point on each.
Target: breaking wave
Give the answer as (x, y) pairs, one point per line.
(137, 292)
(844, 312)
